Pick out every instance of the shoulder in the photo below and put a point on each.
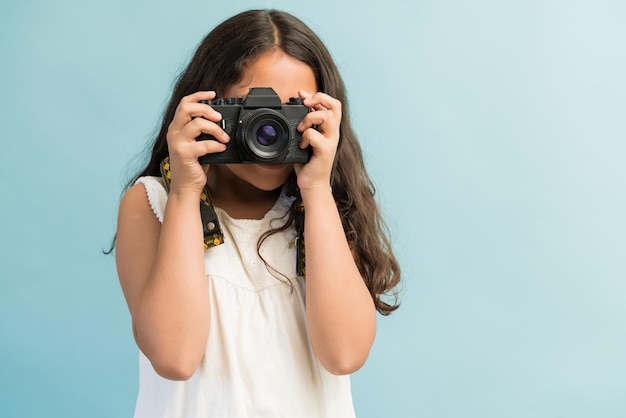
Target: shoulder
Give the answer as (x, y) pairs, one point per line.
(137, 237)
(138, 229)
(146, 197)
(136, 196)
(135, 206)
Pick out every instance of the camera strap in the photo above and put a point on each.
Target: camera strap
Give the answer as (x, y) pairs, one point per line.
(213, 235)
(300, 254)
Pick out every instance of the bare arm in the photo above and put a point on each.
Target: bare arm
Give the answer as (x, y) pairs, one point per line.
(161, 267)
(341, 316)
(161, 270)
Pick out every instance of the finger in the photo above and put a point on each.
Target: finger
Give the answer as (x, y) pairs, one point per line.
(304, 142)
(198, 96)
(200, 126)
(191, 151)
(201, 148)
(317, 118)
(304, 94)
(325, 120)
(317, 141)
(321, 101)
(188, 111)
(192, 101)
(310, 101)
(190, 107)
(203, 110)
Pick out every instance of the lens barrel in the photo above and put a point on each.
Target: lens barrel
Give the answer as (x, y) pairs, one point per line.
(264, 135)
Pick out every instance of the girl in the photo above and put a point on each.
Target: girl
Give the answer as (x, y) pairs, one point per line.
(233, 330)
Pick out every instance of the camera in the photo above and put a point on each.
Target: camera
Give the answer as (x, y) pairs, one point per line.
(262, 129)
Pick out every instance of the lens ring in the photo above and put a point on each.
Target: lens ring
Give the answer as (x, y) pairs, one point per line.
(264, 135)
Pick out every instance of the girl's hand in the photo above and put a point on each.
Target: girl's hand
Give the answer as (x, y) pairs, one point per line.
(326, 115)
(190, 120)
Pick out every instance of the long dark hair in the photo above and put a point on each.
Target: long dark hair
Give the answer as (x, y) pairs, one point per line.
(220, 61)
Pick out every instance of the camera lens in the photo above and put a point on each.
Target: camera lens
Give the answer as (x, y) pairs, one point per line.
(263, 136)
(266, 135)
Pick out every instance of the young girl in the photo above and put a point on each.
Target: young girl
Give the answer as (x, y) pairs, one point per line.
(233, 330)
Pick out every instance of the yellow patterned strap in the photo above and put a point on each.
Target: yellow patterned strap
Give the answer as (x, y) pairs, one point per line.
(300, 253)
(213, 235)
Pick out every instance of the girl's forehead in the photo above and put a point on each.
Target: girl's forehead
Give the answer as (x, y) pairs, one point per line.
(275, 69)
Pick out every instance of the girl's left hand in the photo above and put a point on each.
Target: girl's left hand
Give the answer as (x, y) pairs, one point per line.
(326, 116)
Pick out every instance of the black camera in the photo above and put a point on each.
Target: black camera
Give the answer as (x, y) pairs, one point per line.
(261, 129)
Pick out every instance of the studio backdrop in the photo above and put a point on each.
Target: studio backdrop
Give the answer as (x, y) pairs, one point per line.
(494, 132)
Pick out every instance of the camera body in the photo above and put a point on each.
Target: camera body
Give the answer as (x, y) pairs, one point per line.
(262, 129)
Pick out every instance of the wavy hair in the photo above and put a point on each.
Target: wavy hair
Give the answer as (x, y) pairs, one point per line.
(220, 61)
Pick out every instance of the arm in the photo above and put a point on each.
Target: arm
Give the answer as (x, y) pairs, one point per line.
(161, 267)
(341, 316)
(161, 271)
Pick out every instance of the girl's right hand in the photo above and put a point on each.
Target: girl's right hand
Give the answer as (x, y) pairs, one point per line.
(191, 119)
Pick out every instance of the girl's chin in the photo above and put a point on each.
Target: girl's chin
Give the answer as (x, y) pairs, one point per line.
(266, 177)
(273, 167)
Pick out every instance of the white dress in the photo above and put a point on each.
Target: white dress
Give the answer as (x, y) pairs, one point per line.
(258, 361)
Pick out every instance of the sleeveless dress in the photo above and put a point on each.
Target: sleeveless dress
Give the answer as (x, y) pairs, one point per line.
(258, 361)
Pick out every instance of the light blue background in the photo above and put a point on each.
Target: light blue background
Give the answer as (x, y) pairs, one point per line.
(495, 133)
